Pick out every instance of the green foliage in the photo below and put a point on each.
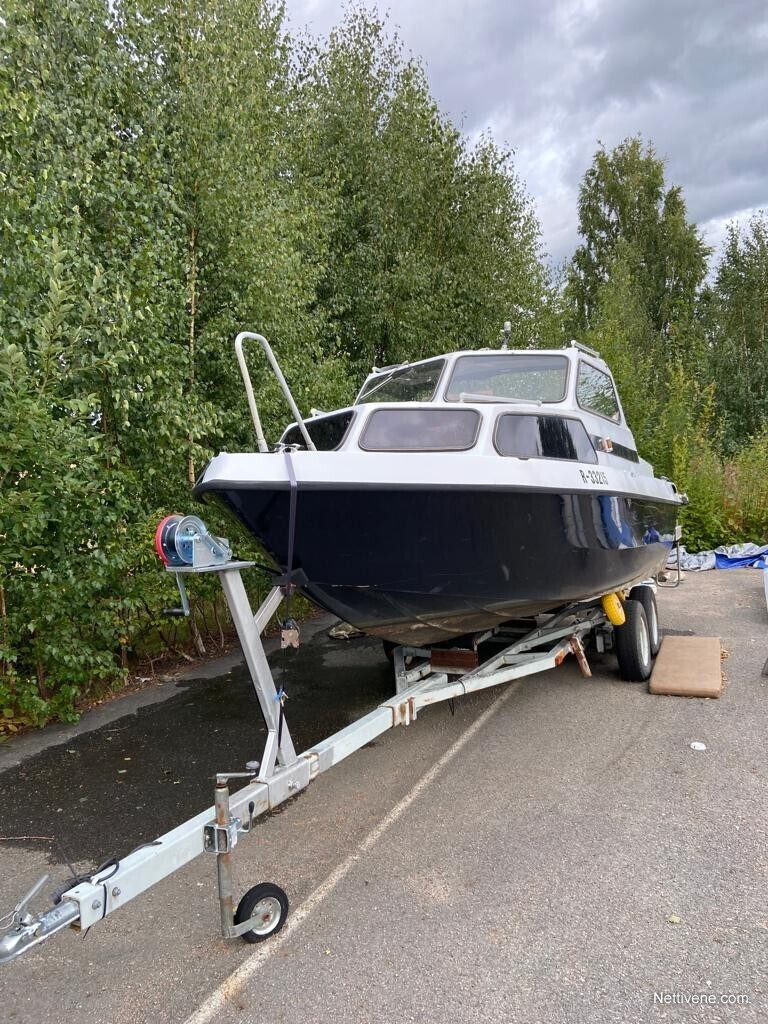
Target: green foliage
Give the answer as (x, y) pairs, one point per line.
(690, 362)
(734, 312)
(431, 244)
(173, 171)
(624, 200)
(625, 338)
(679, 442)
(747, 478)
(728, 499)
(86, 373)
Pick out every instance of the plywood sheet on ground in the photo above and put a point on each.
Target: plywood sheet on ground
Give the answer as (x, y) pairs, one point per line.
(688, 666)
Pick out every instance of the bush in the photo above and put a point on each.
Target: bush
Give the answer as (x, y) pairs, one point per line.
(705, 519)
(728, 501)
(747, 478)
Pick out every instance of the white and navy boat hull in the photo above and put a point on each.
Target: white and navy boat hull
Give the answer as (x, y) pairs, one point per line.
(433, 547)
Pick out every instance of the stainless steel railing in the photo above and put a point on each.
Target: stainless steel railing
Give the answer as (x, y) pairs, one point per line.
(260, 439)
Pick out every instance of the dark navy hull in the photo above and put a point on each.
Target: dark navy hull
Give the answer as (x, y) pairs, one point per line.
(422, 565)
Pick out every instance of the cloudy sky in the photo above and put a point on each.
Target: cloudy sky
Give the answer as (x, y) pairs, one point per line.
(552, 77)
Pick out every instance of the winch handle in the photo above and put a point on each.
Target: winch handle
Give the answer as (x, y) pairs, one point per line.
(184, 610)
(260, 439)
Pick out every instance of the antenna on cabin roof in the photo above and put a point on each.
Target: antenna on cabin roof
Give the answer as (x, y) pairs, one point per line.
(506, 331)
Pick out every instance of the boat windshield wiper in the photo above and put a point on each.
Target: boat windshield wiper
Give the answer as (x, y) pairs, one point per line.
(467, 397)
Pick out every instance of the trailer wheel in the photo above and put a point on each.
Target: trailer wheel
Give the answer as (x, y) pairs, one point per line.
(633, 644)
(268, 904)
(647, 599)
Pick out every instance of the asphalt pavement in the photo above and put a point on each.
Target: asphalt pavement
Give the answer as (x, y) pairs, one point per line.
(553, 851)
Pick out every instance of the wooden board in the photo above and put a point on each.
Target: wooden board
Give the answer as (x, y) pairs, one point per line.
(688, 666)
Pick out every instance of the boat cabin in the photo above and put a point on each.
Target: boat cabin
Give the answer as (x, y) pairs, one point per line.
(524, 404)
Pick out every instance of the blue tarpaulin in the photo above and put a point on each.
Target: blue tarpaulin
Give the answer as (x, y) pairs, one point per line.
(758, 560)
(727, 556)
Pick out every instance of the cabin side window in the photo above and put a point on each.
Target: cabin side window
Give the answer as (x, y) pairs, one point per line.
(595, 392)
(420, 430)
(526, 436)
(327, 432)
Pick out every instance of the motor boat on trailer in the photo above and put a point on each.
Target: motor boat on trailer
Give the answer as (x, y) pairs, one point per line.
(455, 494)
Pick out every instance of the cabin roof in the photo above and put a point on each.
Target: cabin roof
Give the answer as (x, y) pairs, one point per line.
(573, 351)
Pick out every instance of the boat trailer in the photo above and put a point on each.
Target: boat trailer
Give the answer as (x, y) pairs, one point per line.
(423, 677)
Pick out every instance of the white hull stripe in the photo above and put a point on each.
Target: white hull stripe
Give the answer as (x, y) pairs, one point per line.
(443, 471)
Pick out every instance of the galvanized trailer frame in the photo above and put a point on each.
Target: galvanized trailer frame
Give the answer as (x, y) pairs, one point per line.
(282, 773)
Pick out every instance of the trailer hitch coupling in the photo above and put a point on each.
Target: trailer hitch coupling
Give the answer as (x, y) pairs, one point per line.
(27, 929)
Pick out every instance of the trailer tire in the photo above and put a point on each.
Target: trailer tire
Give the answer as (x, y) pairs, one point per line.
(269, 904)
(647, 599)
(632, 644)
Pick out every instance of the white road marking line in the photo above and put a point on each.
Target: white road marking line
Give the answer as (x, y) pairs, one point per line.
(218, 999)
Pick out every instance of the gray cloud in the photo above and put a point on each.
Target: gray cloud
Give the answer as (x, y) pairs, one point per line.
(552, 78)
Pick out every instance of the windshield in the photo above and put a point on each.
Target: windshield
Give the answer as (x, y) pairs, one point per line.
(527, 378)
(404, 384)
